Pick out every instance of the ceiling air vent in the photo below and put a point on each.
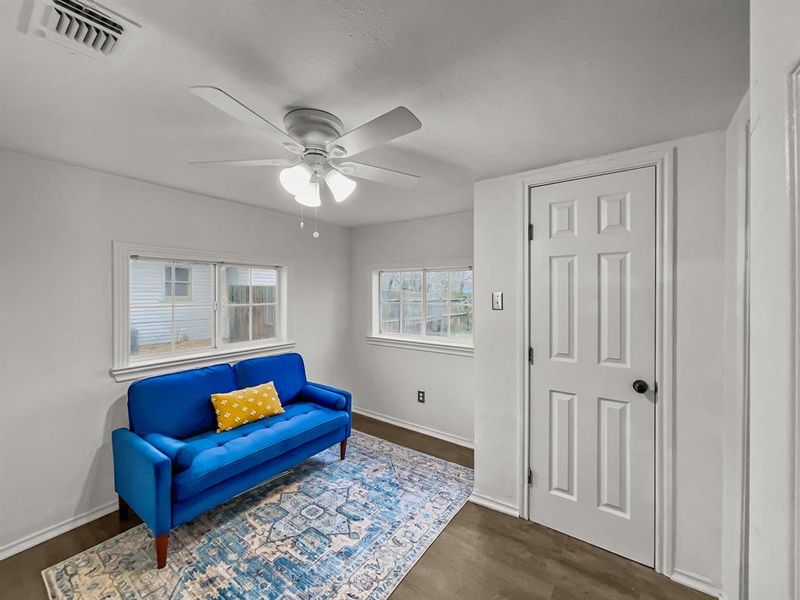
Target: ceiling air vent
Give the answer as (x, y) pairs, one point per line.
(84, 27)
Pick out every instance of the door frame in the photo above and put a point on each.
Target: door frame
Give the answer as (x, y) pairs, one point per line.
(662, 157)
(793, 133)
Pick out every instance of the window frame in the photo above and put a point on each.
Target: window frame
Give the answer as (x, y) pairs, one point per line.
(424, 342)
(126, 368)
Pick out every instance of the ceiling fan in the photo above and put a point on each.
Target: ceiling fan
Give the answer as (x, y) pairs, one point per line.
(321, 149)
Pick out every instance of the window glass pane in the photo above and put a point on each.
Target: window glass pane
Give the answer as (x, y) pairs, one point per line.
(150, 316)
(202, 287)
(461, 304)
(390, 317)
(182, 273)
(259, 294)
(436, 285)
(412, 286)
(151, 328)
(412, 318)
(265, 285)
(151, 309)
(436, 318)
(436, 307)
(390, 286)
(237, 285)
(256, 290)
(461, 286)
(235, 324)
(194, 326)
(460, 320)
(147, 281)
(411, 296)
(264, 322)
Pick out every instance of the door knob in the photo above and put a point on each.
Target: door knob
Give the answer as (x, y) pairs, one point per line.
(640, 386)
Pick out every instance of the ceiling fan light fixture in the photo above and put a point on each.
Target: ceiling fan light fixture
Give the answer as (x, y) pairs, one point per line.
(296, 179)
(315, 137)
(308, 195)
(340, 186)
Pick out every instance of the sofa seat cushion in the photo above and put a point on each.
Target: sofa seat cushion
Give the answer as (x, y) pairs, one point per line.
(210, 458)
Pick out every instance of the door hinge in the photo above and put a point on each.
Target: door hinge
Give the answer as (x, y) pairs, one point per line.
(530, 476)
(530, 355)
(530, 232)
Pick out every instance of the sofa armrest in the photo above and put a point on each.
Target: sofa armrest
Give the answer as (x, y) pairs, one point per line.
(348, 399)
(168, 446)
(143, 477)
(318, 395)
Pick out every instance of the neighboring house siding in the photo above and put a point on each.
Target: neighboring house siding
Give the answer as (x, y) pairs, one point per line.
(151, 312)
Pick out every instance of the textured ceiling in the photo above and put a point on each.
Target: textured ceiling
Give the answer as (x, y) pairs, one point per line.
(500, 87)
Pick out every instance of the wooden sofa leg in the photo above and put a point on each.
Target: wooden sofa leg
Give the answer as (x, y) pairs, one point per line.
(162, 542)
(342, 449)
(123, 508)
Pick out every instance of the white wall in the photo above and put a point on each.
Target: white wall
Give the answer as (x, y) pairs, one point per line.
(58, 402)
(499, 354)
(734, 344)
(774, 560)
(386, 380)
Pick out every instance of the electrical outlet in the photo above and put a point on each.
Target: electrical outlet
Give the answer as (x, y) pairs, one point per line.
(421, 396)
(497, 300)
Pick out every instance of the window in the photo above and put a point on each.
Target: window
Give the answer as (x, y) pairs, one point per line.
(430, 304)
(177, 282)
(250, 304)
(192, 308)
(165, 323)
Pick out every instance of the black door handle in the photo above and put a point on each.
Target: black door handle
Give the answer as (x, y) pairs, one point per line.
(640, 386)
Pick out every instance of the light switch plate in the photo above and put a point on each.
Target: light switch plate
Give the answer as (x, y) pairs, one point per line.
(497, 300)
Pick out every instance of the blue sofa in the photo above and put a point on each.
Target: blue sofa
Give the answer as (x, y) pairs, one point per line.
(172, 465)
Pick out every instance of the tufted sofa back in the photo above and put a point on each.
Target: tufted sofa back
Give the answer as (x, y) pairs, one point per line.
(286, 370)
(179, 404)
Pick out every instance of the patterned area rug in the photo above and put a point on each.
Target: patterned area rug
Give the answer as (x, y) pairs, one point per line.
(327, 529)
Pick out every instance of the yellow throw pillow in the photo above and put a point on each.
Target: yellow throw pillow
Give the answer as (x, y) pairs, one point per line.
(245, 406)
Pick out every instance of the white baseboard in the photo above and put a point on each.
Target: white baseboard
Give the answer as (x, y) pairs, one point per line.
(697, 582)
(493, 504)
(447, 437)
(31, 540)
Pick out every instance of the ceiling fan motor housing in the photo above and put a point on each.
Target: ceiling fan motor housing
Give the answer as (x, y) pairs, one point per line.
(315, 129)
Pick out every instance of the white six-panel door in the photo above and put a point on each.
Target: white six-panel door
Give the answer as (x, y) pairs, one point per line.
(593, 335)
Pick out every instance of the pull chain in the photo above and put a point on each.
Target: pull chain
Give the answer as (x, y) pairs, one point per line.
(302, 222)
(316, 231)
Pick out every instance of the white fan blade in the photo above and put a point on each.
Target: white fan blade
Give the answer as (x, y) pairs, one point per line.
(239, 111)
(389, 126)
(249, 162)
(379, 174)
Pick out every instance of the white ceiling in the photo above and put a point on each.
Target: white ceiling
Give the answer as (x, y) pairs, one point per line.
(500, 86)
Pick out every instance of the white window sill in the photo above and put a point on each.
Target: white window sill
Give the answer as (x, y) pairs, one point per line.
(425, 345)
(189, 361)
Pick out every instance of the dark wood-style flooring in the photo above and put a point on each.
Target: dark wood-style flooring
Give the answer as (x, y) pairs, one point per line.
(480, 555)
